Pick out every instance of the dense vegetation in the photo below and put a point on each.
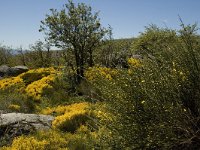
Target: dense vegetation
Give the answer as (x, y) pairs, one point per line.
(141, 93)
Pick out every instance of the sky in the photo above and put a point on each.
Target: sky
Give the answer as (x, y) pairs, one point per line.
(20, 19)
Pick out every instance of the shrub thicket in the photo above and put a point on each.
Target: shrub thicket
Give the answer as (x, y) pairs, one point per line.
(156, 104)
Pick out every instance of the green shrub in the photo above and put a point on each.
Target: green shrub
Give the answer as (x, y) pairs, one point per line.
(60, 92)
(11, 101)
(33, 76)
(156, 104)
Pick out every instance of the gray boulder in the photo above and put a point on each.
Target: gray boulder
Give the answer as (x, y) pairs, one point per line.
(12, 71)
(4, 69)
(38, 122)
(16, 124)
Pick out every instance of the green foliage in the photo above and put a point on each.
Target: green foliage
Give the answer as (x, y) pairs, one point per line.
(40, 55)
(12, 101)
(113, 52)
(7, 56)
(146, 105)
(180, 49)
(61, 94)
(75, 28)
(156, 43)
(156, 104)
(189, 61)
(33, 76)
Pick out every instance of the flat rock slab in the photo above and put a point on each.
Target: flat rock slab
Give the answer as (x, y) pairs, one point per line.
(20, 119)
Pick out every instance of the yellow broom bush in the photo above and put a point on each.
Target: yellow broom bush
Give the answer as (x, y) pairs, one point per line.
(94, 73)
(69, 117)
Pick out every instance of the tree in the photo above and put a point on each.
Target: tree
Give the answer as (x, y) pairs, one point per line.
(77, 29)
(48, 58)
(5, 55)
(114, 52)
(155, 41)
(22, 56)
(41, 55)
(107, 52)
(37, 54)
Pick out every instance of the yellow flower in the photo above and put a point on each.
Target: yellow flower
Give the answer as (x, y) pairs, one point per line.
(36, 88)
(94, 73)
(133, 62)
(10, 82)
(27, 143)
(69, 116)
(14, 107)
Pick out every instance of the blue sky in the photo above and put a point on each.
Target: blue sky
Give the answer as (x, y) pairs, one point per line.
(20, 19)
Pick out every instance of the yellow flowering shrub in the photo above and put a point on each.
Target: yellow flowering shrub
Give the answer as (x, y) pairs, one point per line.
(42, 140)
(26, 143)
(14, 107)
(10, 82)
(94, 73)
(83, 129)
(177, 72)
(133, 62)
(37, 74)
(32, 82)
(55, 140)
(100, 112)
(60, 110)
(69, 117)
(36, 88)
(43, 71)
(70, 121)
(43, 80)
(82, 140)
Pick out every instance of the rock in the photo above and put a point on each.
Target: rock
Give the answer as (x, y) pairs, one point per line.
(12, 71)
(38, 122)
(4, 69)
(17, 124)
